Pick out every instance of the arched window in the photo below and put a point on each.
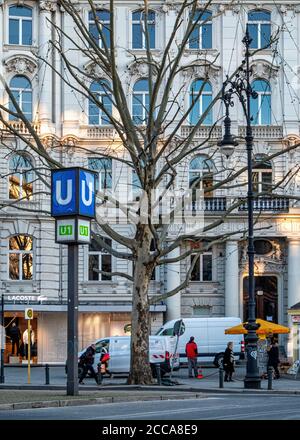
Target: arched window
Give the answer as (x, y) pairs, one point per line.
(99, 259)
(20, 178)
(21, 89)
(261, 106)
(102, 22)
(200, 103)
(259, 28)
(20, 257)
(201, 37)
(104, 167)
(139, 30)
(101, 90)
(20, 25)
(262, 175)
(140, 102)
(204, 168)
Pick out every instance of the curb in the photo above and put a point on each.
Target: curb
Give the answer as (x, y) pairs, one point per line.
(92, 401)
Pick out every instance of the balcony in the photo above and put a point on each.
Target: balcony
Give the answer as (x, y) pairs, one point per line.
(98, 132)
(20, 127)
(268, 204)
(264, 131)
(210, 204)
(204, 132)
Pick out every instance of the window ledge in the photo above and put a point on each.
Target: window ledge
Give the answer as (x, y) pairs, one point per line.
(189, 51)
(143, 51)
(7, 47)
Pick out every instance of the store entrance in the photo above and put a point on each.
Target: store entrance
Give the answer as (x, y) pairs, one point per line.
(16, 340)
(266, 296)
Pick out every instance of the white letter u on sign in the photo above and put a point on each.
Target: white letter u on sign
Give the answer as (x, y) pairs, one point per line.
(68, 197)
(86, 201)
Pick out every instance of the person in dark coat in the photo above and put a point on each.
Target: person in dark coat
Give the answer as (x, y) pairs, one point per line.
(273, 357)
(15, 336)
(191, 351)
(87, 361)
(228, 362)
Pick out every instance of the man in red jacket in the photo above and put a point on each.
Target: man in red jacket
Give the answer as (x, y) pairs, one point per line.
(191, 351)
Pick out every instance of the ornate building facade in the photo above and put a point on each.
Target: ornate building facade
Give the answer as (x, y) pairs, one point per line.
(33, 268)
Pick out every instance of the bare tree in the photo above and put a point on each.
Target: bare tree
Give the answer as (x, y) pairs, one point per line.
(152, 146)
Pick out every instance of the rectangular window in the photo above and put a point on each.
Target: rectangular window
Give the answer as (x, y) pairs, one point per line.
(93, 263)
(14, 266)
(203, 268)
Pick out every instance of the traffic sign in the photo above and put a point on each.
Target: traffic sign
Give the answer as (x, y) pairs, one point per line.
(28, 313)
(73, 192)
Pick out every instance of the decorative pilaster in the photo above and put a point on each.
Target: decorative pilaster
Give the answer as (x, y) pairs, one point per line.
(45, 73)
(232, 299)
(173, 281)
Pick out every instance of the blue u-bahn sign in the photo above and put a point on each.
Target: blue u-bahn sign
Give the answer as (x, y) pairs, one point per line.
(73, 192)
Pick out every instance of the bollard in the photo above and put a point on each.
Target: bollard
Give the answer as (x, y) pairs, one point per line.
(158, 375)
(270, 375)
(47, 374)
(221, 378)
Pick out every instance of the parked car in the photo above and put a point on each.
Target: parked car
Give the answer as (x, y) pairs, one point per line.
(209, 335)
(161, 351)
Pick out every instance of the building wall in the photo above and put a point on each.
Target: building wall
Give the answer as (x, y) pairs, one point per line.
(62, 113)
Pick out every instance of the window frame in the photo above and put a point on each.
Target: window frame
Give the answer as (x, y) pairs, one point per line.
(102, 171)
(259, 23)
(20, 19)
(101, 115)
(144, 117)
(259, 99)
(19, 98)
(20, 172)
(20, 253)
(200, 263)
(200, 31)
(199, 105)
(141, 24)
(202, 171)
(91, 22)
(99, 253)
(260, 171)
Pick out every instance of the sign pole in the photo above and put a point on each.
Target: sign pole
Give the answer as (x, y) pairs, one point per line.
(29, 344)
(2, 380)
(72, 362)
(73, 206)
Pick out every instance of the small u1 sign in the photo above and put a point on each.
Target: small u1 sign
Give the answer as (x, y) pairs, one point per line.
(73, 192)
(73, 230)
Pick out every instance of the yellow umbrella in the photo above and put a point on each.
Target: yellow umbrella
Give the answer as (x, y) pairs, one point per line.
(265, 328)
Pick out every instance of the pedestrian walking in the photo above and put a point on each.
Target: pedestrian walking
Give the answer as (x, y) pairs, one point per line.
(87, 361)
(273, 357)
(191, 351)
(15, 336)
(228, 362)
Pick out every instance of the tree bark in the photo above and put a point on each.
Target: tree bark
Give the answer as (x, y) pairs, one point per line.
(140, 371)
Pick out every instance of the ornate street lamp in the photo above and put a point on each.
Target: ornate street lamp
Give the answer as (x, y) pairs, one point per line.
(241, 87)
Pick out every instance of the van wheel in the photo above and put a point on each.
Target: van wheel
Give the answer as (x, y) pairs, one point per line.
(218, 362)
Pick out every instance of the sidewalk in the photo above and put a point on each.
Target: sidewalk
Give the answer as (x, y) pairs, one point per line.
(17, 394)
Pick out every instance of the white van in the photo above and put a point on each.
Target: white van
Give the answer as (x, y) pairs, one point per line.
(210, 337)
(161, 350)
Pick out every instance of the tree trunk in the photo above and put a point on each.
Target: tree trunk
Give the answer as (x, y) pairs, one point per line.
(140, 371)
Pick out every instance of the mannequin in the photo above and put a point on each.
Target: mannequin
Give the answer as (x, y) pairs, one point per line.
(25, 340)
(15, 336)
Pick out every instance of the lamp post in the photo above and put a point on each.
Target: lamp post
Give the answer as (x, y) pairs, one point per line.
(241, 87)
